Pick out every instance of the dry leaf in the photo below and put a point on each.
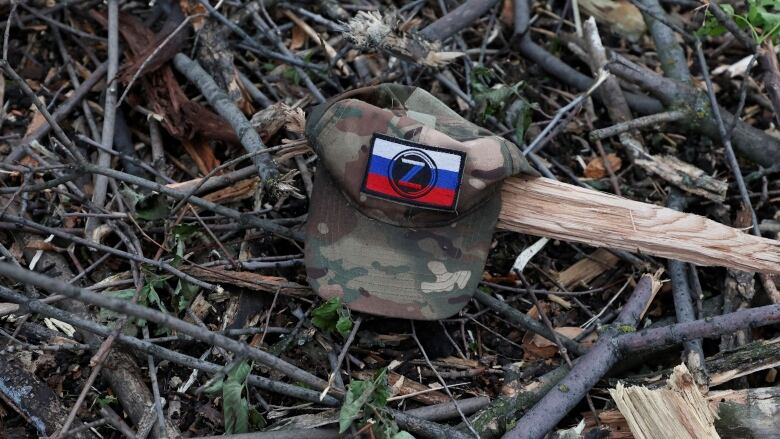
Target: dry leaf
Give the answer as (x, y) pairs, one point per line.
(535, 346)
(244, 103)
(236, 192)
(508, 13)
(39, 244)
(202, 154)
(298, 38)
(190, 8)
(595, 168)
(620, 15)
(270, 120)
(200, 307)
(37, 121)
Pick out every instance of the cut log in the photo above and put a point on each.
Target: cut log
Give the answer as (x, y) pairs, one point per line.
(544, 207)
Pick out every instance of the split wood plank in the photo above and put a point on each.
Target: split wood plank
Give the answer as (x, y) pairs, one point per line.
(545, 207)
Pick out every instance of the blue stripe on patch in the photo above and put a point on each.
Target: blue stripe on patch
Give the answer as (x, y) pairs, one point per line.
(445, 179)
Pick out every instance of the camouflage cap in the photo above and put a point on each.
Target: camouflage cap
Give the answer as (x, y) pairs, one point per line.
(405, 200)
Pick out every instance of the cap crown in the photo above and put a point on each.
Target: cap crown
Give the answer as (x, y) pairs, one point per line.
(438, 165)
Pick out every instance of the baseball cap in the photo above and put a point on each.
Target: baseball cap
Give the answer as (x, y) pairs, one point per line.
(405, 199)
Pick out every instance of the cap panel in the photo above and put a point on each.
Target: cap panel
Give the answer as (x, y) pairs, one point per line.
(422, 101)
(421, 273)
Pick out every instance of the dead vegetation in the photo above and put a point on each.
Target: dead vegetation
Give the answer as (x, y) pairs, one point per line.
(156, 177)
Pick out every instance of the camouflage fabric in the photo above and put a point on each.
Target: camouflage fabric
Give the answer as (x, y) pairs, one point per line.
(388, 256)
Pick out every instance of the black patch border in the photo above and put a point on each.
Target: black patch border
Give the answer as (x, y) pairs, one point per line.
(411, 202)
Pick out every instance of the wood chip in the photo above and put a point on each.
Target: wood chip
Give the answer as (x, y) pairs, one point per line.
(678, 411)
(587, 269)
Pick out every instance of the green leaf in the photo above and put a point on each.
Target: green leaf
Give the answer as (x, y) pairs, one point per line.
(235, 408)
(358, 394)
(402, 435)
(150, 293)
(107, 400)
(106, 315)
(523, 120)
(132, 197)
(185, 291)
(344, 326)
(256, 419)
(147, 207)
(381, 389)
(240, 372)
(215, 387)
(185, 231)
(332, 316)
(152, 207)
(291, 75)
(179, 256)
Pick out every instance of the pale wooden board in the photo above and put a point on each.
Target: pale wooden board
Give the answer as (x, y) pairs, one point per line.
(544, 207)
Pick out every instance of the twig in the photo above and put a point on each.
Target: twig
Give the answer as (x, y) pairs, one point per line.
(109, 116)
(247, 135)
(155, 390)
(58, 131)
(7, 32)
(766, 56)
(154, 53)
(537, 142)
(725, 137)
(639, 122)
(526, 322)
(242, 218)
(344, 350)
(750, 141)
(683, 306)
(443, 383)
(589, 369)
(557, 340)
(85, 427)
(132, 256)
(117, 422)
(565, 73)
(457, 19)
(670, 54)
(158, 317)
(447, 410)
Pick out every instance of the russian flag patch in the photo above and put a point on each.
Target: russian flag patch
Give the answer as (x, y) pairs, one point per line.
(412, 173)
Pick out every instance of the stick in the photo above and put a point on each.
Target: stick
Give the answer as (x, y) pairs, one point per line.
(553, 407)
(160, 318)
(109, 117)
(228, 110)
(544, 207)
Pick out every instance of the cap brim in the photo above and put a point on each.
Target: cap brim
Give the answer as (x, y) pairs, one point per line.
(378, 268)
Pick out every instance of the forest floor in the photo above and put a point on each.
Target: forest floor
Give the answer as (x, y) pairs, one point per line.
(171, 297)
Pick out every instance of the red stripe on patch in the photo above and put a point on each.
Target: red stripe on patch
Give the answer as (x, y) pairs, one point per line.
(436, 197)
(439, 197)
(381, 184)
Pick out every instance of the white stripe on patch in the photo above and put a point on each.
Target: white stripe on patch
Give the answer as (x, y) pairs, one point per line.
(444, 161)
